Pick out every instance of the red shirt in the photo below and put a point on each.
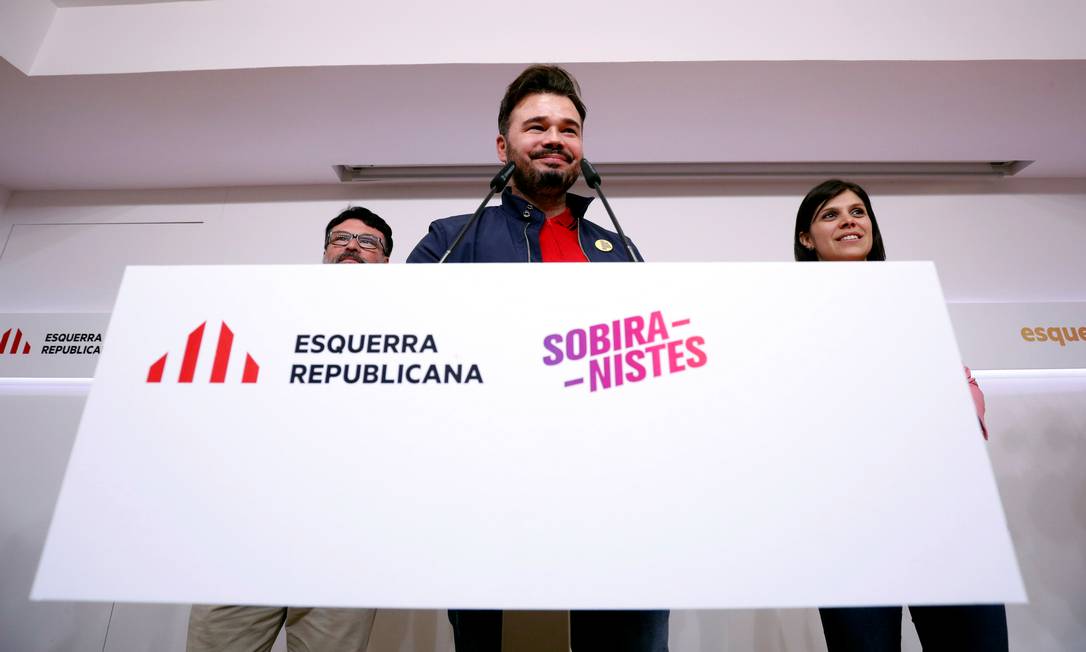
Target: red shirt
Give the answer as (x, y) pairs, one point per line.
(558, 240)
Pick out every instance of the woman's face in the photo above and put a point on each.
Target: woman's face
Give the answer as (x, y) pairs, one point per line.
(840, 230)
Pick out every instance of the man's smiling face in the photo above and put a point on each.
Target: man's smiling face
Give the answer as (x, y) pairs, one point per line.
(544, 140)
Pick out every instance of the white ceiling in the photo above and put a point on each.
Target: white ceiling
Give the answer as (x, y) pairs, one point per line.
(291, 125)
(108, 38)
(138, 94)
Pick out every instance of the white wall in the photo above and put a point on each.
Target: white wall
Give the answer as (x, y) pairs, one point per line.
(237, 34)
(1013, 240)
(35, 440)
(1038, 441)
(23, 26)
(993, 240)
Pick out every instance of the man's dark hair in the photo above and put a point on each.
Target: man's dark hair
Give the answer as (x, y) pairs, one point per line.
(539, 79)
(369, 218)
(815, 200)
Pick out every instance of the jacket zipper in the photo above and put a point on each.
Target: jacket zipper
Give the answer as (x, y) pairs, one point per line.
(527, 216)
(580, 244)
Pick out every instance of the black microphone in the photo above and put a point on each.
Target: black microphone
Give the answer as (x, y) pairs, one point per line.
(496, 185)
(592, 178)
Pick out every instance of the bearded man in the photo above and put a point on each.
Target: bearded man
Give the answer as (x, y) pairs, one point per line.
(540, 122)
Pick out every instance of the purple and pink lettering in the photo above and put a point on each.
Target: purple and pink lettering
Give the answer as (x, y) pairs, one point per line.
(627, 350)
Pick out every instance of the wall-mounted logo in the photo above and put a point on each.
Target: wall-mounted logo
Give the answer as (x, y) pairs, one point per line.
(218, 366)
(75, 344)
(19, 345)
(627, 350)
(1060, 334)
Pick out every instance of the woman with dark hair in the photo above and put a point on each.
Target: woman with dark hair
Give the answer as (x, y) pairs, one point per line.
(835, 203)
(835, 222)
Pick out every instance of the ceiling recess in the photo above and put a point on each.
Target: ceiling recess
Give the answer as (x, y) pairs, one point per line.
(660, 171)
(109, 3)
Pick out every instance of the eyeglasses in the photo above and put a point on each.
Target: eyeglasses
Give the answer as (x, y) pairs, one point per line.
(365, 240)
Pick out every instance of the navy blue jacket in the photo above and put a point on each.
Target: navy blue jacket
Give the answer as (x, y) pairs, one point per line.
(510, 234)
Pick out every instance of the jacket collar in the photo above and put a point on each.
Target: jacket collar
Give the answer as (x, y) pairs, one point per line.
(577, 205)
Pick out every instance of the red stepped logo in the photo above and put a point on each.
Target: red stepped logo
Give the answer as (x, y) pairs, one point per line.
(14, 343)
(218, 366)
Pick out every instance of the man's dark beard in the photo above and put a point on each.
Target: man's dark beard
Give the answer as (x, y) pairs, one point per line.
(549, 183)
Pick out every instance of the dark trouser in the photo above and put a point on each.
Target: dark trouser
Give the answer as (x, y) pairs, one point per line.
(966, 628)
(589, 631)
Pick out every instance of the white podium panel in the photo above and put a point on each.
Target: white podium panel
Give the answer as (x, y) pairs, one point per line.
(530, 437)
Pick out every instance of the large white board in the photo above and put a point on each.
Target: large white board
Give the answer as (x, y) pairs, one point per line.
(798, 435)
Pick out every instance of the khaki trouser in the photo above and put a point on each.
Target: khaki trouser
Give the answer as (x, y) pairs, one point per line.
(254, 629)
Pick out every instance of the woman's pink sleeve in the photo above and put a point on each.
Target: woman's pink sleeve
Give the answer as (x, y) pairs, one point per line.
(978, 400)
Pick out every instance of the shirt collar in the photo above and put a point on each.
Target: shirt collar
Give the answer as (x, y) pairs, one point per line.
(576, 204)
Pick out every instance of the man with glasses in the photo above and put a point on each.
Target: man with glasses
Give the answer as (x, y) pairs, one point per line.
(356, 235)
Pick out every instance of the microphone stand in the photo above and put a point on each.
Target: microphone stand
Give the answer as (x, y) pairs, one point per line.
(496, 185)
(592, 178)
